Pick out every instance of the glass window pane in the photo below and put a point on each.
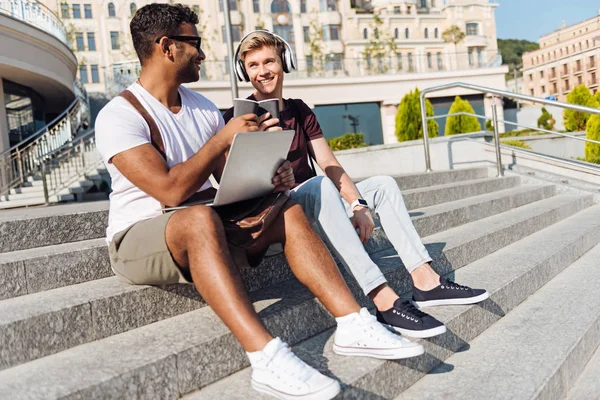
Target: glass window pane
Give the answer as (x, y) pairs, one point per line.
(83, 76)
(256, 6)
(64, 10)
(91, 41)
(95, 75)
(306, 32)
(79, 45)
(111, 10)
(76, 11)
(87, 9)
(114, 40)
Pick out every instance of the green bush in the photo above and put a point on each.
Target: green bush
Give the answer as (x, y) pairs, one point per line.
(575, 120)
(489, 125)
(461, 123)
(592, 131)
(347, 141)
(409, 124)
(516, 143)
(545, 121)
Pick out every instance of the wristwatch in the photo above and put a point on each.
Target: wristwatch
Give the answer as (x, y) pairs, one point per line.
(359, 203)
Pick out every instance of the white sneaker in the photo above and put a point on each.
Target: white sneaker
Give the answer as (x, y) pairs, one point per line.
(359, 334)
(278, 372)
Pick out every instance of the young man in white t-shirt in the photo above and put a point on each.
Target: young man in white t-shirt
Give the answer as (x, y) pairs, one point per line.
(189, 245)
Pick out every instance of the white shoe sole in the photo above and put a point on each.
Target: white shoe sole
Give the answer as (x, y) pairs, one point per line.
(419, 334)
(383, 354)
(327, 393)
(451, 302)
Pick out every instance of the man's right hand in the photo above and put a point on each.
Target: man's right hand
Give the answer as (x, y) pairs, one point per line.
(244, 123)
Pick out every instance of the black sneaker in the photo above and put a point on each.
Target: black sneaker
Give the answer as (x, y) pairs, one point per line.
(410, 321)
(448, 293)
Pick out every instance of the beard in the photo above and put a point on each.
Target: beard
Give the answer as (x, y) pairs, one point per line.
(188, 72)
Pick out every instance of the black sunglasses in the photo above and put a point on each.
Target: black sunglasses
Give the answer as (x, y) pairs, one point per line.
(198, 39)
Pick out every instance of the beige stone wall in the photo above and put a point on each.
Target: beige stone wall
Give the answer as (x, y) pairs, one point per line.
(395, 14)
(567, 58)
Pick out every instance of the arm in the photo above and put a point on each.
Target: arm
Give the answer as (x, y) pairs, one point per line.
(326, 160)
(146, 169)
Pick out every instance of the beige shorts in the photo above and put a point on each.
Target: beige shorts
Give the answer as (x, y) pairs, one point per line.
(139, 255)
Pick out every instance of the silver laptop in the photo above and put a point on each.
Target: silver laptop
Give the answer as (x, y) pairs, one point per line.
(251, 165)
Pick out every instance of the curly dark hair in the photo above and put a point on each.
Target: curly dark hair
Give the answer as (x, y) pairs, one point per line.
(154, 21)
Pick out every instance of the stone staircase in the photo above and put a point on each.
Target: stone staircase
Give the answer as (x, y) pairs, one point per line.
(69, 329)
(72, 184)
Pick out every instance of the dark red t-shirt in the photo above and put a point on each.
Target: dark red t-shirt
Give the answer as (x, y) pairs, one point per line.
(307, 127)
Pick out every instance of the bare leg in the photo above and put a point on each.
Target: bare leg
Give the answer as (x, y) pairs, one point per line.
(310, 260)
(196, 240)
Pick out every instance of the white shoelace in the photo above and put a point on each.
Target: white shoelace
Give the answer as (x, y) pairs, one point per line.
(378, 331)
(287, 362)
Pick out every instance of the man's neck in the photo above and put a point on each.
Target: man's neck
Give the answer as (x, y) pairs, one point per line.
(260, 97)
(162, 86)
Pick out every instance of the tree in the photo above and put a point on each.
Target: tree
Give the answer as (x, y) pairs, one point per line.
(512, 52)
(545, 121)
(315, 43)
(381, 45)
(408, 119)
(592, 150)
(453, 35)
(576, 120)
(461, 123)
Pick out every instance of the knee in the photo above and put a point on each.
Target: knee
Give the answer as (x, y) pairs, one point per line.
(200, 218)
(387, 183)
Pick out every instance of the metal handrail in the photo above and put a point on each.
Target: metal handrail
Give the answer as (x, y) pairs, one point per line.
(22, 160)
(495, 120)
(35, 14)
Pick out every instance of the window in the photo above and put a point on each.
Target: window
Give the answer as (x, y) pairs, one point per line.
(440, 63)
(423, 3)
(280, 6)
(410, 62)
(593, 78)
(309, 63)
(408, 9)
(432, 3)
(436, 33)
(567, 85)
(578, 65)
(64, 10)
(429, 65)
(95, 76)
(331, 32)
(232, 6)
(543, 89)
(303, 6)
(83, 76)
(365, 33)
(565, 69)
(471, 58)
(132, 9)
(306, 32)
(115, 43)
(87, 11)
(111, 10)
(399, 58)
(426, 34)
(472, 29)
(406, 33)
(592, 62)
(91, 37)
(196, 9)
(256, 6)
(554, 88)
(328, 5)
(541, 74)
(79, 41)
(579, 80)
(531, 92)
(333, 61)
(397, 10)
(553, 72)
(77, 11)
(396, 33)
(236, 33)
(479, 56)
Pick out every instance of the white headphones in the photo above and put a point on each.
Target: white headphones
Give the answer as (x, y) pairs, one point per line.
(288, 58)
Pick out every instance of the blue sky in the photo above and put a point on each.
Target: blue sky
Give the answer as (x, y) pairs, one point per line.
(529, 19)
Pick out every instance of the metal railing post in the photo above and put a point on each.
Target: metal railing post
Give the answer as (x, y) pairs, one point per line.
(45, 183)
(20, 167)
(497, 138)
(425, 133)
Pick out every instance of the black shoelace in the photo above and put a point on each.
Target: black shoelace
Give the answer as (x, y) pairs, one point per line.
(410, 309)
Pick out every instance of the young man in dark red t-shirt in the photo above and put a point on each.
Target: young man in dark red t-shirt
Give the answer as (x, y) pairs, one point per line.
(262, 58)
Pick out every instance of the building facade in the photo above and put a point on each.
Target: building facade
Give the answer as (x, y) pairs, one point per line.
(330, 37)
(567, 58)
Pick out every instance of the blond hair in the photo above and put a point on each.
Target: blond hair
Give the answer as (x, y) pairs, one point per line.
(258, 40)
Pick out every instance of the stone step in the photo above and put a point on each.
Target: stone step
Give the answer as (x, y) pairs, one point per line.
(72, 263)
(420, 180)
(510, 275)
(40, 194)
(414, 198)
(537, 351)
(35, 201)
(587, 387)
(85, 307)
(44, 226)
(429, 196)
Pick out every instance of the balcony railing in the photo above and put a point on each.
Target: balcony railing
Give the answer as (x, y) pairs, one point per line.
(123, 74)
(35, 14)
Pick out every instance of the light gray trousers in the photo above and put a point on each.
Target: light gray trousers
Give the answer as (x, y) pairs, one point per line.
(330, 214)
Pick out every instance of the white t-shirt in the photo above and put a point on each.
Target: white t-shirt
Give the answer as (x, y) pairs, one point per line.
(119, 127)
